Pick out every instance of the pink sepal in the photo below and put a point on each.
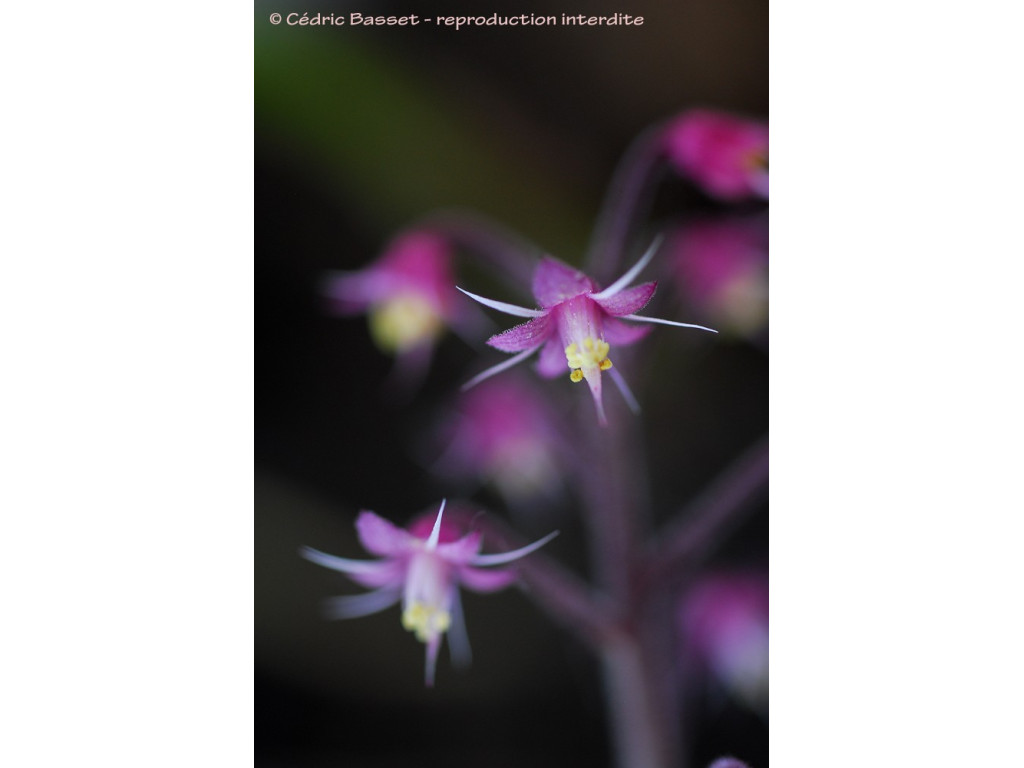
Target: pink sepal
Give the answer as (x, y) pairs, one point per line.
(554, 282)
(629, 300)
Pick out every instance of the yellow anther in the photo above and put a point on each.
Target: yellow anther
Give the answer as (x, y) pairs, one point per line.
(594, 355)
(425, 620)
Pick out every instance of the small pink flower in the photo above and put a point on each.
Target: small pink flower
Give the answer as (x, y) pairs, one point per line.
(727, 156)
(424, 567)
(576, 325)
(725, 620)
(722, 270)
(503, 432)
(407, 294)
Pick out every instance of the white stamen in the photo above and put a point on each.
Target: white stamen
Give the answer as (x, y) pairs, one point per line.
(500, 367)
(642, 319)
(627, 278)
(515, 554)
(501, 306)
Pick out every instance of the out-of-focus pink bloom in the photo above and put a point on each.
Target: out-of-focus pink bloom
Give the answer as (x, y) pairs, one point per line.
(408, 294)
(576, 325)
(722, 270)
(724, 619)
(727, 156)
(504, 433)
(424, 567)
(728, 762)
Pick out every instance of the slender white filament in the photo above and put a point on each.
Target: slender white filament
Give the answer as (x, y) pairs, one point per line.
(515, 554)
(458, 638)
(435, 533)
(628, 278)
(342, 564)
(353, 606)
(501, 306)
(500, 367)
(627, 393)
(642, 319)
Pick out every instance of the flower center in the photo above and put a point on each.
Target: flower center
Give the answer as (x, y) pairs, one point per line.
(426, 621)
(590, 355)
(403, 322)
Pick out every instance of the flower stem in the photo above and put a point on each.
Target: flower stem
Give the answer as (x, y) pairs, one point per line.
(642, 728)
(628, 193)
(702, 524)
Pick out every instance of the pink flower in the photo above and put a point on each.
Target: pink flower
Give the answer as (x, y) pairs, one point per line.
(725, 155)
(503, 432)
(725, 620)
(722, 269)
(424, 567)
(576, 325)
(407, 294)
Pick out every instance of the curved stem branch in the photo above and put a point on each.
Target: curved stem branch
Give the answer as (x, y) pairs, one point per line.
(702, 524)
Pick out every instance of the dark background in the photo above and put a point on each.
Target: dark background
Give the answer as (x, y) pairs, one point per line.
(360, 131)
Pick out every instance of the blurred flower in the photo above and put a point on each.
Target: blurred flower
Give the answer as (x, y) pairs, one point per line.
(727, 156)
(728, 762)
(576, 325)
(503, 432)
(722, 270)
(724, 618)
(424, 566)
(408, 296)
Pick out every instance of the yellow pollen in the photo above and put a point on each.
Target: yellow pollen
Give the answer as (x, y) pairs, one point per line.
(426, 620)
(593, 355)
(403, 322)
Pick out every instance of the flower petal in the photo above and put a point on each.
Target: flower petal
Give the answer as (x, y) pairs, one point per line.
(352, 292)
(523, 336)
(435, 531)
(642, 319)
(463, 550)
(458, 638)
(552, 362)
(631, 273)
(381, 537)
(501, 306)
(627, 393)
(554, 282)
(626, 301)
(352, 606)
(433, 646)
(495, 369)
(618, 333)
(594, 382)
(515, 554)
(486, 581)
(369, 573)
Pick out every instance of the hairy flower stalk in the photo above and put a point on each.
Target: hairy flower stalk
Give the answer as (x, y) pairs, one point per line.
(423, 570)
(576, 325)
